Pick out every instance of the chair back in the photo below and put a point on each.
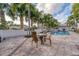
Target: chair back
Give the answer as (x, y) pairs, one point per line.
(34, 37)
(48, 36)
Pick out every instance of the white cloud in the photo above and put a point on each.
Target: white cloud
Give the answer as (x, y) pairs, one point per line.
(48, 7)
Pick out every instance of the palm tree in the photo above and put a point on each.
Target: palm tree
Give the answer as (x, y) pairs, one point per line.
(3, 7)
(22, 10)
(18, 10)
(2, 11)
(37, 17)
(49, 21)
(34, 14)
(71, 22)
(74, 18)
(75, 12)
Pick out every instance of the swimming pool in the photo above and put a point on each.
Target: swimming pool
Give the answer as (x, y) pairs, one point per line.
(60, 33)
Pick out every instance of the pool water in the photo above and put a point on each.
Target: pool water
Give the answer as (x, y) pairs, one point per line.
(60, 33)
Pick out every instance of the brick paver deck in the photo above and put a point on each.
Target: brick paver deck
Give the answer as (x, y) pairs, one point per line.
(61, 46)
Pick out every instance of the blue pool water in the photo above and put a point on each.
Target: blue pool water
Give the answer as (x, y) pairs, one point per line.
(60, 33)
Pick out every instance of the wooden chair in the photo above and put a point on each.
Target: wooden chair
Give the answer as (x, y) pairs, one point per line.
(48, 37)
(34, 38)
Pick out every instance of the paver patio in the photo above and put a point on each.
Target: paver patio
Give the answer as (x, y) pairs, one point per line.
(61, 46)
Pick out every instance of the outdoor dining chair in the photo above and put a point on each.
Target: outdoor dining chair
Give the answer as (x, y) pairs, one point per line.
(48, 37)
(34, 38)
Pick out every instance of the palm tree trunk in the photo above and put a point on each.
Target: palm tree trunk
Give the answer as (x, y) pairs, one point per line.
(38, 24)
(31, 23)
(75, 24)
(21, 23)
(2, 17)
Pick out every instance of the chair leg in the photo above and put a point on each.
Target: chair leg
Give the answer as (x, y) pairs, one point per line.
(0, 39)
(37, 45)
(50, 42)
(44, 39)
(32, 43)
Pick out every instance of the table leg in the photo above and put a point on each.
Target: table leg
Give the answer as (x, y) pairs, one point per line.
(0, 39)
(41, 38)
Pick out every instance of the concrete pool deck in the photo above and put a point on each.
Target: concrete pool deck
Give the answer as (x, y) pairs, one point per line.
(61, 46)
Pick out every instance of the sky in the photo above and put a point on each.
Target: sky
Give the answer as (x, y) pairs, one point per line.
(59, 11)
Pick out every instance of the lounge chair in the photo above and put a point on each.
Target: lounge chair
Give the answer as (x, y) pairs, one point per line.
(34, 38)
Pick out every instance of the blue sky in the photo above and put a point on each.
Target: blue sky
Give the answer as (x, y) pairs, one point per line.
(60, 11)
(65, 5)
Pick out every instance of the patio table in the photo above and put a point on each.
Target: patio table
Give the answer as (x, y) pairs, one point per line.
(41, 35)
